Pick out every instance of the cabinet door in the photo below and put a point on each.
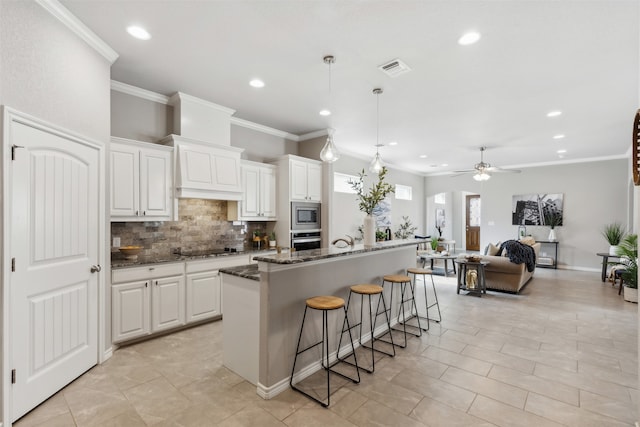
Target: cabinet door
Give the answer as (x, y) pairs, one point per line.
(167, 303)
(125, 180)
(130, 310)
(250, 206)
(298, 180)
(268, 193)
(314, 182)
(208, 168)
(203, 295)
(155, 183)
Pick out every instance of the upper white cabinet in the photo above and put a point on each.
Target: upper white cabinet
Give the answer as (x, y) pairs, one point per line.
(258, 194)
(206, 171)
(305, 180)
(141, 181)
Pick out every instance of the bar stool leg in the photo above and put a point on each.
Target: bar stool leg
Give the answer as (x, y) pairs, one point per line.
(435, 295)
(412, 306)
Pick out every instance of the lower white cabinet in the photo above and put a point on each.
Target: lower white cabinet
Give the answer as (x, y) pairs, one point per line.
(203, 295)
(167, 303)
(130, 310)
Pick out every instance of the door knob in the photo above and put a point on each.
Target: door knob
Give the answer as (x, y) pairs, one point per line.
(96, 268)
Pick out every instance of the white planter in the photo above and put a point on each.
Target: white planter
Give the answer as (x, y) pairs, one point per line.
(552, 235)
(369, 237)
(631, 294)
(613, 250)
(272, 243)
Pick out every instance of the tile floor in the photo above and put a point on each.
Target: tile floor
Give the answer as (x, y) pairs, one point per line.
(564, 352)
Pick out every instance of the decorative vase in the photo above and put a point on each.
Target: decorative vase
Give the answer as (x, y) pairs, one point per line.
(272, 243)
(552, 235)
(369, 237)
(613, 250)
(630, 294)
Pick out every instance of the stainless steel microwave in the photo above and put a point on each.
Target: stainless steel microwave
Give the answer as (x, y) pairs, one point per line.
(305, 216)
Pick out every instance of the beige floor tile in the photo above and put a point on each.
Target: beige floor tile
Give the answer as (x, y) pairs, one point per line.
(421, 364)
(372, 413)
(610, 374)
(444, 343)
(567, 414)
(61, 420)
(126, 419)
(157, 400)
(488, 387)
(461, 361)
(51, 408)
(554, 359)
(530, 382)
(622, 411)
(394, 396)
(284, 404)
(91, 407)
(316, 416)
(499, 359)
(434, 413)
(504, 415)
(473, 340)
(346, 401)
(250, 417)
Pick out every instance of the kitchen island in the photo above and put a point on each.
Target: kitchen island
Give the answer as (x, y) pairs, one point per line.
(263, 316)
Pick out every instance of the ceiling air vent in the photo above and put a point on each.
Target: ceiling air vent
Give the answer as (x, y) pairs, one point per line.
(394, 68)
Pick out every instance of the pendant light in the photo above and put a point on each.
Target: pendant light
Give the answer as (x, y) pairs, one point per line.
(376, 164)
(329, 152)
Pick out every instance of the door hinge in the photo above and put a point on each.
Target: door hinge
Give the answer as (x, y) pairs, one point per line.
(13, 376)
(13, 151)
(13, 264)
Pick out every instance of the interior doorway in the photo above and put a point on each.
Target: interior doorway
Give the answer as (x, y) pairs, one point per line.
(472, 226)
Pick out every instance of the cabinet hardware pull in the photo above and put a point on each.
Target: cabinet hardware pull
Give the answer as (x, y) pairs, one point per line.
(137, 213)
(146, 284)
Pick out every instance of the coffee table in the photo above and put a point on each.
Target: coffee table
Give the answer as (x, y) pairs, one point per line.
(437, 256)
(463, 266)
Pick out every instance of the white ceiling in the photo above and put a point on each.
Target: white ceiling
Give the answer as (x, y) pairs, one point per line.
(581, 57)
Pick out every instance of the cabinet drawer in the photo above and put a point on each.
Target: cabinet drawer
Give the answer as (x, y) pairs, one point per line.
(216, 263)
(151, 271)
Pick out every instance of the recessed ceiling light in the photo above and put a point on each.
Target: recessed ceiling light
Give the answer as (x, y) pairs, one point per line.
(138, 32)
(325, 112)
(392, 143)
(558, 136)
(561, 151)
(256, 83)
(555, 113)
(469, 38)
(444, 165)
(423, 156)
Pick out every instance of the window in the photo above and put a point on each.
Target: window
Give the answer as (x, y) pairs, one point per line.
(440, 198)
(403, 192)
(341, 183)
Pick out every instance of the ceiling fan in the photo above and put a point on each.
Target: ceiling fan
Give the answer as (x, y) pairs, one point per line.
(482, 171)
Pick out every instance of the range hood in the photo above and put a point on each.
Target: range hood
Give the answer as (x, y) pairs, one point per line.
(206, 165)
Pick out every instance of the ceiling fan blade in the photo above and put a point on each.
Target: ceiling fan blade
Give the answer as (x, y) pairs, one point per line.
(465, 171)
(501, 170)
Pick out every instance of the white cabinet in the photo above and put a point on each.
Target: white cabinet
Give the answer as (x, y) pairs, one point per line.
(146, 300)
(305, 178)
(141, 181)
(206, 171)
(258, 194)
(203, 295)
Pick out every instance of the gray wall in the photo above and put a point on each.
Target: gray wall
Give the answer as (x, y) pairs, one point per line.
(259, 146)
(595, 193)
(48, 72)
(140, 119)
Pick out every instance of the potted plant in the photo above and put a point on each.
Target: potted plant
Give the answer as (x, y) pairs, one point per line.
(367, 201)
(434, 243)
(406, 229)
(272, 239)
(613, 233)
(552, 219)
(627, 250)
(381, 236)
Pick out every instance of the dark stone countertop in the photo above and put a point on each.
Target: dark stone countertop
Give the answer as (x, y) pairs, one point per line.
(118, 260)
(249, 271)
(323, 253)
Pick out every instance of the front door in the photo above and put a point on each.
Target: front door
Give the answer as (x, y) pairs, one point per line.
(54, 235)
(473, 222)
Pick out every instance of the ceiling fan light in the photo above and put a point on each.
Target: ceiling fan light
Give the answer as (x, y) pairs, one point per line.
(329, 152)
(376, 164)
(481, 176)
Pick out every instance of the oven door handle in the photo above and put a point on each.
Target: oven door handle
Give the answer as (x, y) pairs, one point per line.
(309, 240)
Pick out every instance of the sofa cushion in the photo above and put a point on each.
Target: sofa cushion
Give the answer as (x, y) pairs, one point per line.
(528, 240)
(492, 249)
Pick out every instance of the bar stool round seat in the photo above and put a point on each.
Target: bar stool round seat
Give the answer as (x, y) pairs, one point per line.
(324, 304)
(368, 290)
(403, 281)
(426, 272)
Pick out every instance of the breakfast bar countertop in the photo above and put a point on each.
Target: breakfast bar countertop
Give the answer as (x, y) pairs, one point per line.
(249, 271)
(332, 252)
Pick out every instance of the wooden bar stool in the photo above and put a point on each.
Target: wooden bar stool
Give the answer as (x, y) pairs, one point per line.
(368, 290)
(424, 272)
(403, 281)
(324, 304)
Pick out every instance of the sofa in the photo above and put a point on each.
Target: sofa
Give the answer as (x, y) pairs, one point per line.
(502, 274)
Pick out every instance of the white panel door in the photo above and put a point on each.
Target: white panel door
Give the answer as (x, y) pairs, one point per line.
(203, 295)
(54, 234)
(167, 301)
(155, 183)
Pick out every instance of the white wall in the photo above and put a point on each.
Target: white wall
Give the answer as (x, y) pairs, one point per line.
(48, 72)
(595, 193)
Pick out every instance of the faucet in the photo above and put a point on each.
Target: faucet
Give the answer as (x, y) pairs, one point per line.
(350, 242)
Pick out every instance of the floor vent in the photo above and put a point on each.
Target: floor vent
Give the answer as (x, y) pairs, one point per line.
(394, 68)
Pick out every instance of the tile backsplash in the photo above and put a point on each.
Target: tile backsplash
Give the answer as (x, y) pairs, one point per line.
(202, 225)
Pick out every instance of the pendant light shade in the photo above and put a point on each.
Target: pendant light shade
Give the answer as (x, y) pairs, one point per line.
(329, 152)
(376, 164)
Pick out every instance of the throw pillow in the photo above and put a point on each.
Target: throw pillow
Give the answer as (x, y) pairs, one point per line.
(528, 240)
(492, 249)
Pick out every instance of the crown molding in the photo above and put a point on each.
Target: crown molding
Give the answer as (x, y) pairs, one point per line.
(139, 92)
(173, 99)
(264, 129)
(314, 134)
(63, 15)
